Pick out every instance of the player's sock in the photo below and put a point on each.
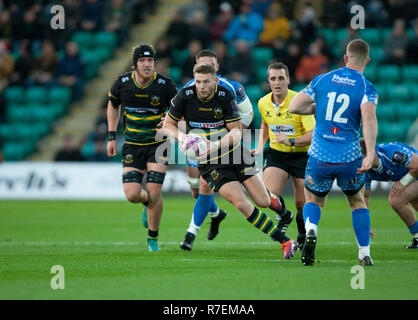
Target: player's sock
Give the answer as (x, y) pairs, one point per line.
(200, 211)
(311, 216)
(152, 234)
(214, 210)
(361, 224)
(262, 222)
(300, 223)
(414, 229)
(275, 203)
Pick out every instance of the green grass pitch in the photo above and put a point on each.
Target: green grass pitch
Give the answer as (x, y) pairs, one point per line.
(102, 247)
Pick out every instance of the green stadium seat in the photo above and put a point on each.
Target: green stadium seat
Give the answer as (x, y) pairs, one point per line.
(371, 35)
(254, 92)
(24, 132)
(180, 56)
(19, 113)
(371, 73)
(389, 73)
(261, 73)
(88, 149)
(340, 34)
(386, 112)
(15, 95)
(36, 95)
(92, 63)
(103, 54)
(43, 114)
(84, 39)
(413, 90)
(58, 109)
(377, 54)
(256, 123)
(385, 34)
(298, 87)
(262, 56)
(59, 95)
(409, 111)
(393, 131)
(176, 75)
(398, 93)
(329, 35)
(7, 132)
(14, 151)
(104, 39)
(410, 73)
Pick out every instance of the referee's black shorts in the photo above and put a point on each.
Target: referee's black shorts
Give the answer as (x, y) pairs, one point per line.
(294, 163)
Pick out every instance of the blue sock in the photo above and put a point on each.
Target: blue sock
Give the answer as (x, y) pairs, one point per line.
(414, 228)
(201, 209)
(311, 211)
(361, 224)
(214, 207)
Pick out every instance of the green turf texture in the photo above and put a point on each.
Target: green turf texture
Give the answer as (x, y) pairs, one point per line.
(102, 247)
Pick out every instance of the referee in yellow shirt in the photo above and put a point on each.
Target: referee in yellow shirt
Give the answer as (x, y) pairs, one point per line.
(289, 136)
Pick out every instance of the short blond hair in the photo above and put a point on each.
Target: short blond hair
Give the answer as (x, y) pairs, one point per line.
(358, 51)
(204, 68)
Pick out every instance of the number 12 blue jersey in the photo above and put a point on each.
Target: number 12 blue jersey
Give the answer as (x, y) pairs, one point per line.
(338, 95)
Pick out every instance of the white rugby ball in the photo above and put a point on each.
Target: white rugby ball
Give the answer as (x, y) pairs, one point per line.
(194, 146)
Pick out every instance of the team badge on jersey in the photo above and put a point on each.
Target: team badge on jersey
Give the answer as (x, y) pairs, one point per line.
(218, 113)
(214, 174)
(128, 158)
(334, 130)
(155, 100)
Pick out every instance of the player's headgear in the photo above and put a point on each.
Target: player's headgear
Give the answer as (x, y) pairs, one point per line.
(142, 51)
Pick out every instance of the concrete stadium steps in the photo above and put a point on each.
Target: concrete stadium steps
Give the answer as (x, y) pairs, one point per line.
(83, 114)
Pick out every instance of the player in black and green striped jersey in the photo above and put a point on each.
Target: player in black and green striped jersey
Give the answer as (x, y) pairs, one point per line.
(145, 96)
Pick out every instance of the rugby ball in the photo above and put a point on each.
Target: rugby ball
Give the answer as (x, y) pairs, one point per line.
(194, 146)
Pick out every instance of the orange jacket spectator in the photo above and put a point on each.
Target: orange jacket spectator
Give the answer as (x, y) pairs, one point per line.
(311, 65)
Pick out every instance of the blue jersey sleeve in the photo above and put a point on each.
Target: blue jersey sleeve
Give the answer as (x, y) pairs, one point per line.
(370, 94)
(310, 88)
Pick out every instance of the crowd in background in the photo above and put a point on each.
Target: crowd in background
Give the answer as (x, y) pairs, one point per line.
(31, 54)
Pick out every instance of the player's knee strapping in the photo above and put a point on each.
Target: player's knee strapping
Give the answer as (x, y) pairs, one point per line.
(193, 182)
(155, 177)
(132, 176)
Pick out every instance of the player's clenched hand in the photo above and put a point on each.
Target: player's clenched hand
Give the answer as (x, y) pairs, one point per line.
(210, 148)
(366, 164)
(160, 124)
(256, 152)
(111, 148)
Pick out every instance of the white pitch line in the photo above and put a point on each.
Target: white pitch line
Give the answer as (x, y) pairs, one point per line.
(206, 243)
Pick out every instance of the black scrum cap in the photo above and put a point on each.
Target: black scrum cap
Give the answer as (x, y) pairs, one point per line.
(142, 51)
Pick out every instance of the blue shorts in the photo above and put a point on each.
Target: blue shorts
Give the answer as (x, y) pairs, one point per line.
(320, 176)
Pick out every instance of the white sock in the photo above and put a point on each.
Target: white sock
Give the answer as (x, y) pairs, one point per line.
(363, 252)
(214, 214)
(311, 226)
(193, 228)
(416, 235)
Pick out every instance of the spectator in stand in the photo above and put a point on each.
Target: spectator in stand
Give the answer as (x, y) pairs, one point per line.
(178, 31)
(199, 28)
(305, 25)
(99, 154)
(70, 70)
(22, 65)
(29, 27)
(224, 61)
(376, 14)
(312, 64)
(334, 14)
(291, 60)
(194, 47)
(6, 64)
(397, 43)
(163, 49)
(412, 56)
(72, 14)
(118, 17)
(3, 104)
(399, 9)
(92, 15)
(325, 48)
(242, 65)
(222, 21)
(44, 67)
(69, 152)
(5, 25)
(246, 26)
(275, 26)
(261, 7)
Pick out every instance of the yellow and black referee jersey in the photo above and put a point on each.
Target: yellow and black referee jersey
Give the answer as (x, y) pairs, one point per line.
(278, 119)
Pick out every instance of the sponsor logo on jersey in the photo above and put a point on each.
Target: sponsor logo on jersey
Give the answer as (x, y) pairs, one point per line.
(162, 81)
(343, 80)
(206, 125)
(124, 79)
(142, 110)
(327, 136)
(334, 130)
(155, 100)
(289, 129)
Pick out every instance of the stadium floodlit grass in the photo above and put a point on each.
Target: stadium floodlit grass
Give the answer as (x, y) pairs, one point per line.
(102, 247)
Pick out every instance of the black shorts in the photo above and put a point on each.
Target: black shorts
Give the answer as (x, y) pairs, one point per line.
(294, 163)
(218, 175)
(138, 156)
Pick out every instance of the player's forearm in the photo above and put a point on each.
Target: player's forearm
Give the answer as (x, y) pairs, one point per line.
(169, 129)
(302, 104)
(233, 137)
(370, 133)
(112, 117)
(263, 137)
(304, 140)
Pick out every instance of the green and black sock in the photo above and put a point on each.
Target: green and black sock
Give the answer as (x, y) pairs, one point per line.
(262, 222)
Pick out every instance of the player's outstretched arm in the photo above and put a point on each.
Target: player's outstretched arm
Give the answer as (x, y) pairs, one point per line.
(262, 139)
(170, 128)
(302, 104)
(113, 114)
(368, 113)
